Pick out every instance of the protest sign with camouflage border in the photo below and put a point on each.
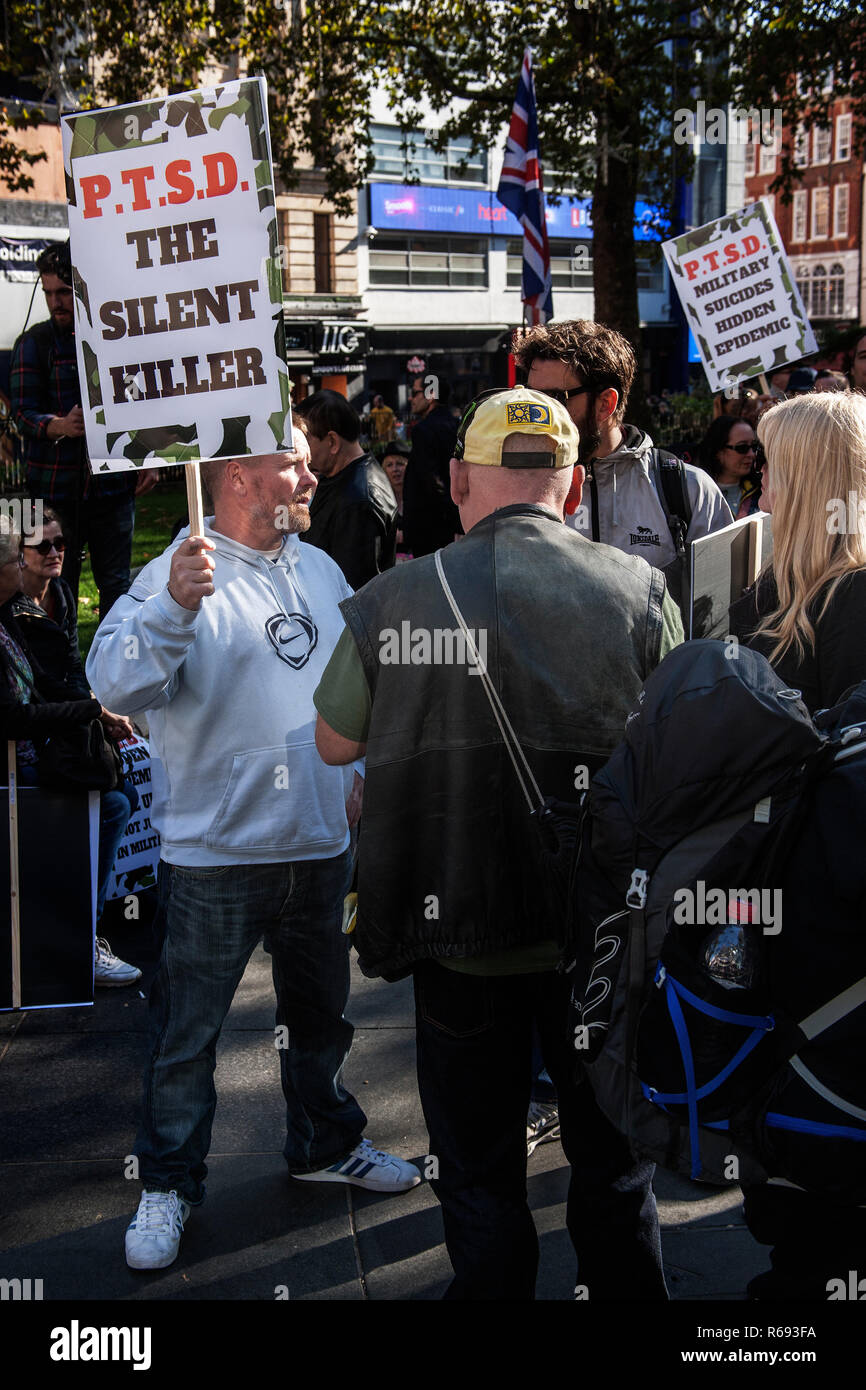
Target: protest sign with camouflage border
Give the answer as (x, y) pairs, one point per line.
(739, 296)
(178, 292)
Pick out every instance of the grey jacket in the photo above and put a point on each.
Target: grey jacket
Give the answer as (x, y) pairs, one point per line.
(630, 513)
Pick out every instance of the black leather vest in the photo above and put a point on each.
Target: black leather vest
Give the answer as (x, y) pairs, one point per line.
(569, 631)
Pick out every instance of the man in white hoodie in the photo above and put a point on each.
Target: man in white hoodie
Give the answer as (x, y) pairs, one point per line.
(222, 641)
(590, 369)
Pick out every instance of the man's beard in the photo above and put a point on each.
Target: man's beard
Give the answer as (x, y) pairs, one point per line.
(590, 443)
(298, 519)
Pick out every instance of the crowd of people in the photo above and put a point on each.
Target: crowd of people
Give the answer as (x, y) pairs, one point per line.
(292, 751)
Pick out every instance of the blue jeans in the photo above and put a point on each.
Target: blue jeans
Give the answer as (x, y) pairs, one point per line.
(214, 918)
(475, 1071)
(115, 811)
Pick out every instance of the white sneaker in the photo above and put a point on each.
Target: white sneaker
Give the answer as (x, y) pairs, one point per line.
(153, 1238)
(111, 970)
(370, 1168)
(542, 1125)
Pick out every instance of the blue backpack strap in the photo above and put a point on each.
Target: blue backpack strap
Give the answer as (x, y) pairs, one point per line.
(760, 1026)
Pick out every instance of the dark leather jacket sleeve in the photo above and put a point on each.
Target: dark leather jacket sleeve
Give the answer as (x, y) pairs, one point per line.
(363, 542)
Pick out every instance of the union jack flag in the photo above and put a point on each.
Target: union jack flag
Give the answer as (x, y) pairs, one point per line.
(522, 191)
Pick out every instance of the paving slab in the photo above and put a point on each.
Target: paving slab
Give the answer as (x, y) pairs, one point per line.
(255, 1235)
(70, 1085)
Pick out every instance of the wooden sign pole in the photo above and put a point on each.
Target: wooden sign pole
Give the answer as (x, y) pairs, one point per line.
(15, 899)
(765, 385)
(193, 499)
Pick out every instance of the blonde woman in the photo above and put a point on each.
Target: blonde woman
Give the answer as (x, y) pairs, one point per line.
(807, 613)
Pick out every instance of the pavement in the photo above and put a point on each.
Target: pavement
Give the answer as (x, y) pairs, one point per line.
(69, 1096)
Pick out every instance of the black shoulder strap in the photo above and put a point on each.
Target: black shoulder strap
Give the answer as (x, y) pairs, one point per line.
(669, 475)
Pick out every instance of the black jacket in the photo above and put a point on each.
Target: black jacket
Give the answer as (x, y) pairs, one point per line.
(430, 518)
(570, 632)
(52, 643)
(47, 712)
(839, 658)
(353, 518)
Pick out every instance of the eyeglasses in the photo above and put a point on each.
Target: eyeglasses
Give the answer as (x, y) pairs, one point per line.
(741, 448)
(46, 547)
(562, 395)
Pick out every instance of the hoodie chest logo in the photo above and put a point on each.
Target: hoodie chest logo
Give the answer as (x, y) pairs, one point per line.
(644, 535)
(293, 637)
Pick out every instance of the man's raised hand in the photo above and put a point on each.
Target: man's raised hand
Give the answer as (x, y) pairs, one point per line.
(191, 574)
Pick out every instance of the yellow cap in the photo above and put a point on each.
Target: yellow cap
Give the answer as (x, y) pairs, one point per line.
(490, 421)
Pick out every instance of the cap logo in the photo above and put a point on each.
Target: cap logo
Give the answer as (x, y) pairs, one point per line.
(527, 413)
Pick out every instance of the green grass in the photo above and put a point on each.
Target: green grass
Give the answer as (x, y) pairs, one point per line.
(155, 516)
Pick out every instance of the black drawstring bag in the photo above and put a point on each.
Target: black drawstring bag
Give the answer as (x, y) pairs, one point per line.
(81, 758)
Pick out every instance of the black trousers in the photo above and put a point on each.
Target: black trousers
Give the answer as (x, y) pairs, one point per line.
(106, 527)
(814, 1238)
(475, 1051)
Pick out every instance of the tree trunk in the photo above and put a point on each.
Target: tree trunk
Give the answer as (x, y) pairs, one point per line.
(614, 275)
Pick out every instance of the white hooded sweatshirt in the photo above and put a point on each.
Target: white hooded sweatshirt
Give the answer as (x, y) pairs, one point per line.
(631, 515)
(228, 691)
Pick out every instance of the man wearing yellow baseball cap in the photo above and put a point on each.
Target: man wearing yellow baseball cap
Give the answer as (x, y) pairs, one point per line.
(523, 624)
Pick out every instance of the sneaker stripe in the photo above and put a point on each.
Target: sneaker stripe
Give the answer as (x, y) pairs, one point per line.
(350, 1166)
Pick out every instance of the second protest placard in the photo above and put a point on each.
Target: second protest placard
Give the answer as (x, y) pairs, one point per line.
(739, 296)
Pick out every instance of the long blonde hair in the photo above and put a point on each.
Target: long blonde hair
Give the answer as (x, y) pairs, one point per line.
(816, 450)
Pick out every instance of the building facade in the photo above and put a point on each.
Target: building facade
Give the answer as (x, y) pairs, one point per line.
(822, 226)
(326, 335)
(440, 266)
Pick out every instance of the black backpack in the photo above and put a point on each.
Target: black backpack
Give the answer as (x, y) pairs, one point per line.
(723, 779)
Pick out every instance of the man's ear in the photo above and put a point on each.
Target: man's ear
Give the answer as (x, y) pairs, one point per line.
(575, 492)
(459, 482)
(236, 476)
(606, 403)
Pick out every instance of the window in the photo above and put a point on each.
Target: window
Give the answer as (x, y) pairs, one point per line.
(840, 210)
(323, 258)
(400, 157)
(432, 262)
(843, 137)
(283, 227)
(799, 227)
(767, 162)
(750, 159)
(819, 292)
(803, 283)
(801, 148)
(571, 267)
(770, 200)
(820, 213)
(836, 292)
(821, 144)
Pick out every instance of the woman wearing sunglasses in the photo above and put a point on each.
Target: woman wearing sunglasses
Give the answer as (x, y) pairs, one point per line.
(43, 685)
(727, 453)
